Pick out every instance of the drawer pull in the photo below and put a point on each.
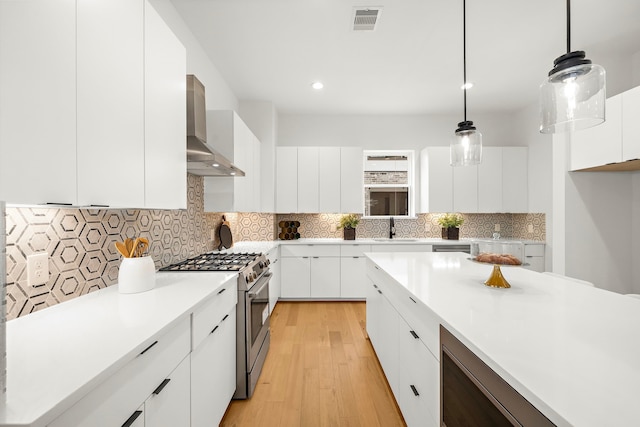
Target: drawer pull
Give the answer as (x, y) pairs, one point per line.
(379, 291)
(376, 267)
(162, 385)
(413, 333)
(225, 317)
(316, 257)
(375, 286)
(132, 419)
(148, 348)
(214, 329)
(414, 390)
(414, 301)
(356, 257)
(221, 290)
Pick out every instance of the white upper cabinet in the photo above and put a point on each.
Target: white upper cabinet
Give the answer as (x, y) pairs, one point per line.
(329, 181)
(515, 180)
(110, 79)
(308, 180)
(602, 144)
(351, 180)
(227, 133)
(81, 127)
(319, 180)
(38, 101)
(630, 128)
(165, 68)
(436, 180)
(498, 184)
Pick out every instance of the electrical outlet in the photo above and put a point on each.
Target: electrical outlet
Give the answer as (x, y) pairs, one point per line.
(497, 227)
(213, 234)
(530, 228)
(38, 269)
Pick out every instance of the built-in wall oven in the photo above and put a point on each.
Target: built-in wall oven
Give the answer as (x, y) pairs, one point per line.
(473, 395)
(252, 310)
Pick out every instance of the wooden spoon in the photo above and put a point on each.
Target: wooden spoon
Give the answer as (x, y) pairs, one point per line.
(133, 249)
(142, 246)
(121, 247)
(128, 242)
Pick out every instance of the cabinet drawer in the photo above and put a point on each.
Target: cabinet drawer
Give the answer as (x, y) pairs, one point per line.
(112, 402)
(309, 250)
(354, 250)
(533, 250)
(424, 322)
(401, 247)
(208, 315)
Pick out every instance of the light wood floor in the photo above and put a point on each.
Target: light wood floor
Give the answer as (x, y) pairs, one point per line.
(320, 371)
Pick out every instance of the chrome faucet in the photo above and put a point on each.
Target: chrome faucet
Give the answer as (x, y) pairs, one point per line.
(392, 228)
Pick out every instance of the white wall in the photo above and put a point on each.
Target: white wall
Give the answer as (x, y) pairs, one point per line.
(219, 95)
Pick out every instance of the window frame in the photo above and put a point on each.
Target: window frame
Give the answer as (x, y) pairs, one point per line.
(411, 183)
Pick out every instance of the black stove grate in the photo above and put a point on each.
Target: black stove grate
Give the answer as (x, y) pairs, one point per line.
(214, 261)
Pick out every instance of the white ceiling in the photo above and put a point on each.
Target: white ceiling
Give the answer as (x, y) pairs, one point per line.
(412, 63)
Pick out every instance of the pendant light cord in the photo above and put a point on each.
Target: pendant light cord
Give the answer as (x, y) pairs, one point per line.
(464, 53)
(568, 26)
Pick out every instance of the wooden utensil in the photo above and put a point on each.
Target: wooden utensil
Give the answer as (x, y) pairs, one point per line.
(128, 243)
(132, 254)
(121, 247)
(142, 246)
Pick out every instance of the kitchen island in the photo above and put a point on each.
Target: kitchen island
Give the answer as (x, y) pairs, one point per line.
(571, 350)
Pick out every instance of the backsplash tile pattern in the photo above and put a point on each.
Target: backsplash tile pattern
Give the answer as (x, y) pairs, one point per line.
(424, 226)
(80, 243)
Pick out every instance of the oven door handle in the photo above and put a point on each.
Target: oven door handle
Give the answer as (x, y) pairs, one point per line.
(264, 279)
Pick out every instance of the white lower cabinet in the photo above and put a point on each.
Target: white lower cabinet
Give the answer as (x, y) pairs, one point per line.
(295, 277)
(412, 370)
(399, 247)
(325, 277)
(534, 257)
(213, 373)
(310, 271)
(353, 277)
(169, 404)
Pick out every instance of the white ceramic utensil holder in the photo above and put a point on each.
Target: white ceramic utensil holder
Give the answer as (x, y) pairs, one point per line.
(136, 275)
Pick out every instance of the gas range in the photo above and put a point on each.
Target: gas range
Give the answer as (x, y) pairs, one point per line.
(250, 266)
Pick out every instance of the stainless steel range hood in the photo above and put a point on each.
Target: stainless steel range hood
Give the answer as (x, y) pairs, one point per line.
(202, 159)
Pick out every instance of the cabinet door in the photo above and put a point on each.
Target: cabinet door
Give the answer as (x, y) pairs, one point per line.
(602, 144)
(630, 129)
(374, 294)
(287, 179)
(419, 388)
(465, 189)
(490, 197)
(353, 278)
(256, 171)
(243, 158)
(38, 101)
(308, 180)
(213, 374)
(515, 187)
(387, 351)
(351, 180)
(436, 177)
(325, 277)
(295, 277)
(399, 247)
(165, 68)
(328, 180)
(169, 404)
(110, 103)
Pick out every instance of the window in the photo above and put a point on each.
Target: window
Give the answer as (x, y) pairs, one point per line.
(388, 183)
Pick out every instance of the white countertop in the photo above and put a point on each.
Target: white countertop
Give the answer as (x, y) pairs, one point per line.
(371, 241)
(55, 356)
(572, 350)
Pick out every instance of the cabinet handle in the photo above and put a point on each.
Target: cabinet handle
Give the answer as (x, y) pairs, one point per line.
(214, 329)
(221, 290)
(305, 257)
(356, 257)
(148, 348)
(413, 333)
(225, 317)
(414, 301)
(162, 385)
(375, 286)
(376, 267)
(315, 257)
(132, 419)
(57, 204)
(529, 256)
(414, 390)
(379, 291)
(98, 206)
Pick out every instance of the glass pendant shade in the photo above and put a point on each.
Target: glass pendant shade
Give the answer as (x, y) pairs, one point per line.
(466, 146)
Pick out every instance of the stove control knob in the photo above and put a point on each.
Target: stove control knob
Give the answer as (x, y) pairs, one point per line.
(268, 261)
(255, 275)
(247, 279)
(261, 264)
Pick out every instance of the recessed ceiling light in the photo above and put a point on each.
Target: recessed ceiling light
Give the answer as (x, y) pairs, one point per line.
(215, 165)
(317, 85)
(232, 173)
(467, 85)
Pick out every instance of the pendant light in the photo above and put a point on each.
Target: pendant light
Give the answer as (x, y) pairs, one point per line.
(573, 96)
(466, 146)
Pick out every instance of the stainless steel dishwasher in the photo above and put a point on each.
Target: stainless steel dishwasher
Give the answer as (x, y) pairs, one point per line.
(466, 248)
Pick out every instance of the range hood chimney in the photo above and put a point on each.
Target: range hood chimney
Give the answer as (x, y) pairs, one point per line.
(202, 159)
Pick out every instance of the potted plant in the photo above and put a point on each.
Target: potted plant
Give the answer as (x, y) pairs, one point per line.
(348, 224)
(450, 223)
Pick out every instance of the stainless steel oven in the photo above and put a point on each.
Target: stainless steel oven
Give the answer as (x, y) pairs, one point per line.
(255, 318)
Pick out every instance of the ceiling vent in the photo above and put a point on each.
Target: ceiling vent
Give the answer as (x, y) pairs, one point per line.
(366, 18)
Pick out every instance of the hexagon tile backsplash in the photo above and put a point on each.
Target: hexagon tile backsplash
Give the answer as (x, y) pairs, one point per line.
(82, 256)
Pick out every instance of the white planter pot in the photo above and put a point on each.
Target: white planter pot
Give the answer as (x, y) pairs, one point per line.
(136, 275)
